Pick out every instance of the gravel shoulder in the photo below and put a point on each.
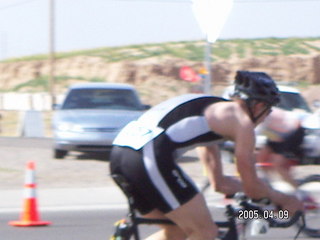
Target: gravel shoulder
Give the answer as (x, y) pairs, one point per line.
(78, 170)
(75, 171)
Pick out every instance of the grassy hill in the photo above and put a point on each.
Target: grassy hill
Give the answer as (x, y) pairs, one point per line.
(28, 74)
(194, 50)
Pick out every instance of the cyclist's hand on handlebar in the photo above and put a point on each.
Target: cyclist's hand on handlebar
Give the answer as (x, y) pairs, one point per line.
(292, 204)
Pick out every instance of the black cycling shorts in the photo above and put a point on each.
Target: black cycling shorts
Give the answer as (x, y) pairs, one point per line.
(290, 147)
(157, 181)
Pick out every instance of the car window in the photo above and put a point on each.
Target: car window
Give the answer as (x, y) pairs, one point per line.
(290, 101)
(122, 99)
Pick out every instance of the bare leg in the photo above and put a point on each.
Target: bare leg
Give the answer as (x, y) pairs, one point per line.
(193, 221)
(280, 163)
(167, 231)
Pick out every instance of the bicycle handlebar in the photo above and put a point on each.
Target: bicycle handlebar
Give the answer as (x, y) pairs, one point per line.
(272, 221)
(244, 202)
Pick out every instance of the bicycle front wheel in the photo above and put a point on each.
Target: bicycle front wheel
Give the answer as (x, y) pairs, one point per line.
(311, 187)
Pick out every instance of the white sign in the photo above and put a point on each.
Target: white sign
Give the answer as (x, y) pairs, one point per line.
(136, 135)
(211, 16)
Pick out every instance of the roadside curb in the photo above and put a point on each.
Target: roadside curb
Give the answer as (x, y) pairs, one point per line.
(65, 198)
(75, 199)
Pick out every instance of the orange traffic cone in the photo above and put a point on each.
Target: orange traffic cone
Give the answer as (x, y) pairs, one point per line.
(29, 216)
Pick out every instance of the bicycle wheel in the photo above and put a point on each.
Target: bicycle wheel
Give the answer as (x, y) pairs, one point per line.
(311, 187)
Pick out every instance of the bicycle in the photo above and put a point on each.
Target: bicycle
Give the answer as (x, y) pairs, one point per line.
(312, 205)
(234, 227)
(309, 186)
(309, 192)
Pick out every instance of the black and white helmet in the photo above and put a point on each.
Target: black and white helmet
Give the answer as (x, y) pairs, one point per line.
(256, 86)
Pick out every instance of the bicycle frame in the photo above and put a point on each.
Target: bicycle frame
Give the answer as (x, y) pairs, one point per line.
(130, 228)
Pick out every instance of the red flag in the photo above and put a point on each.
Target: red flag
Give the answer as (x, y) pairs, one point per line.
(188, 74)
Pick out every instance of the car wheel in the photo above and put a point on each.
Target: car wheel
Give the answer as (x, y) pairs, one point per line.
(60, 154)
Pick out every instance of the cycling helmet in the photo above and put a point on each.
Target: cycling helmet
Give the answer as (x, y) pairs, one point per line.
(256, 86)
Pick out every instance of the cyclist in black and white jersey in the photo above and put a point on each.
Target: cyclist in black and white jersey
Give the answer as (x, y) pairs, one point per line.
(145, 150)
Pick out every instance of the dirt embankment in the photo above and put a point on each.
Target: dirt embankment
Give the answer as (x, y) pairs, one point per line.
(156, 78)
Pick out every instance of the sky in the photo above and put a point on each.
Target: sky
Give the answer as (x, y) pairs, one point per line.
(86, 24)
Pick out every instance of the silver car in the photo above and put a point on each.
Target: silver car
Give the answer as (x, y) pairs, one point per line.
(91, 116)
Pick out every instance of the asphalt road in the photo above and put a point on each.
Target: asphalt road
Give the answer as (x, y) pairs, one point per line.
(97, 225)
(77, 171)
(66, 225)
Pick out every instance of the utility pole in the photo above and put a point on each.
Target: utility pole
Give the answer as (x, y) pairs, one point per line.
(211, 16)
(51, 83)
(207, 81)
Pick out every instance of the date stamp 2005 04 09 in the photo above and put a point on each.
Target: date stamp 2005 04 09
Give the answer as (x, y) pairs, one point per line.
(267, 214)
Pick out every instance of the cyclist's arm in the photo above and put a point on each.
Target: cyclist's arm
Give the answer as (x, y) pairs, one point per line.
(253, 186)
(210, 157)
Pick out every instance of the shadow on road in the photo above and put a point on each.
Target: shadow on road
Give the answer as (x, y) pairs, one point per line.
(105, 156)
(100, 156)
